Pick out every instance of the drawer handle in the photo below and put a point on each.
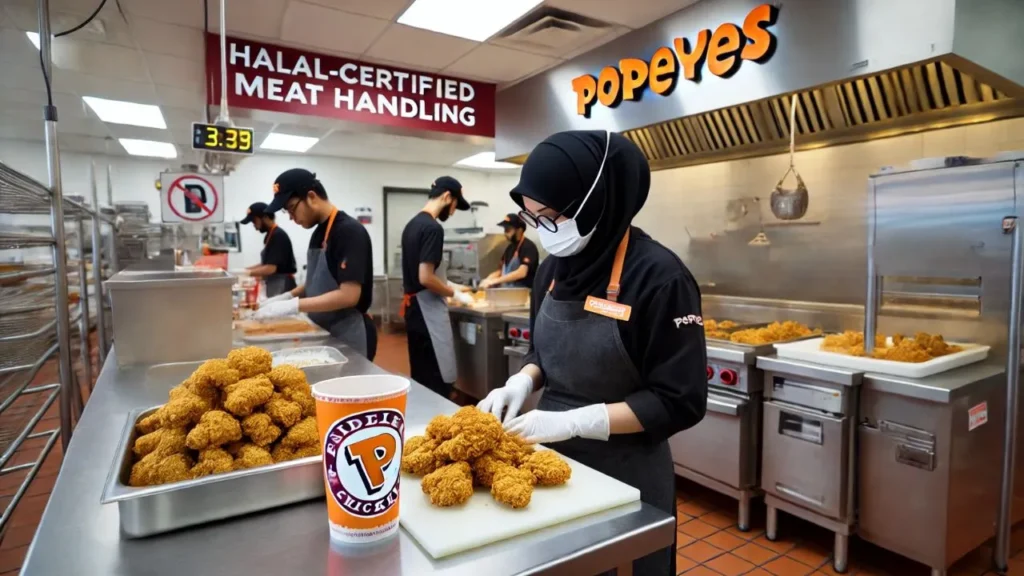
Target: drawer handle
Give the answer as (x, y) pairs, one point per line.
(915, 456)
(792, 493)
(801, 428)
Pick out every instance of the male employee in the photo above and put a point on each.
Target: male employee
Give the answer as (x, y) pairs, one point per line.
(520, 260)
(339, 264)
(277, 261)
(429, 330)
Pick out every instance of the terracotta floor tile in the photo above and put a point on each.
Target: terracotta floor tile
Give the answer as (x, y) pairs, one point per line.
(702, 571)
(725, 541)
(758, 572)
(784, 566)
(684, 540)
(695, 509)
(781, 545)
(810, 554)
(748, 535)
(17, 536)
(719, 519)
(730, 565)
(683, 564)
(758, 555)
(700, 552)
(12, 559)
(697, 529)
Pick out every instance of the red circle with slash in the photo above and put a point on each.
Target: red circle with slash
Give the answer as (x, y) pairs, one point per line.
(207, 210)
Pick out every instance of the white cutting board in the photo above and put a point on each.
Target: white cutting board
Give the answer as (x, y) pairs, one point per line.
(481, 521)
(810, 351)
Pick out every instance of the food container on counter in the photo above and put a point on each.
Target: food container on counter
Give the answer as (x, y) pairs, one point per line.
(318, 362)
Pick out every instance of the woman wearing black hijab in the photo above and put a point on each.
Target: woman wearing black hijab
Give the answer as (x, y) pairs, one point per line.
(618, 340)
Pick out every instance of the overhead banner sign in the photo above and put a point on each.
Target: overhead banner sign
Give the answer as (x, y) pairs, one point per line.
(721, 53)
(192, 198)
(267, 77)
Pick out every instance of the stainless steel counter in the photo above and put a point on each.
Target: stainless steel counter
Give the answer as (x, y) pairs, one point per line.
(487, 312)
(945, 387)
(520, 315)
(77, 535)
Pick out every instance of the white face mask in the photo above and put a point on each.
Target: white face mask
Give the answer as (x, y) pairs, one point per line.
(567, 241)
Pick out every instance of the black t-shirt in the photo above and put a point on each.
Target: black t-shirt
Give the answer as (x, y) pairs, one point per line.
(664, 336)
(528, 256)
(349, 254)
(277, 250)
(422, 242)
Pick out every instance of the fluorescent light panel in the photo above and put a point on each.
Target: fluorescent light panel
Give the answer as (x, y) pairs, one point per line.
(485, 160)
(130, 113)
(288, 143)
(475, 20)
(148, 148)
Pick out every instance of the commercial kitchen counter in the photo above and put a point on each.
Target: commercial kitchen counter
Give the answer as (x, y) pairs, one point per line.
(487, 311)
(78, 535)
(943, 388)
(480, 340)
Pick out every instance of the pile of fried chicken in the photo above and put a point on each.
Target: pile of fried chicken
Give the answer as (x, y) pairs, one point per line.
(774, 332)
(921, 348)
(230, 414)
(470, 448)
(718, 330)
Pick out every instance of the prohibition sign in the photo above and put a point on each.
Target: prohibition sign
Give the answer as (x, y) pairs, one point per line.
(179, 185)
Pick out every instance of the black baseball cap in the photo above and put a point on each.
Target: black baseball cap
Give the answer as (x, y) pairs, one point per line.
(294, 182)
(255, 209)
(449, 184)
(512, 221)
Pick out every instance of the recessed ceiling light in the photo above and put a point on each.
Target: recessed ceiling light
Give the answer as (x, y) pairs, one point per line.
(148, 148)
(475, 20)
(288, 143)
(33, 37)
(118, 112)
(485, 160)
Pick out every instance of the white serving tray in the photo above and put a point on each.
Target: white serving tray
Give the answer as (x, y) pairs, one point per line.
(316, 334)
(810, 351)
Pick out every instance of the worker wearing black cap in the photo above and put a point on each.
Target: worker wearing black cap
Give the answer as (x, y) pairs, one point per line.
(429, 330)
(519, 262)
(277, 260)
(339, 264)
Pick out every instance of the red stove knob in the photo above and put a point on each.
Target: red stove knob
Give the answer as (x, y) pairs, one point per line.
(526, 334)
(711, 373)
(728, 377)
(513, 332)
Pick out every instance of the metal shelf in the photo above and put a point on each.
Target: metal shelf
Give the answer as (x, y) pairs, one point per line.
(16, 240)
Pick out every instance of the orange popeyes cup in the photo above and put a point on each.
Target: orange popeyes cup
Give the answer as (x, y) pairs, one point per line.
(362, 427)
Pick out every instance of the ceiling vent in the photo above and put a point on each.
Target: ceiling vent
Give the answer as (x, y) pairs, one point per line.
(552, 31)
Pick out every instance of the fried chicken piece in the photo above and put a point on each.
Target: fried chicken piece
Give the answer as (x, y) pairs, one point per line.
(303, 396)
(215, 428)
(213, 461)
(547, 467)
(183, 409)
(511, 449)
(233, 448)
(252, 456)
(260, 429)
(512, 487)
(774, 332)
(485, 467)
(307, 451)
(283, 454)
(149, 423)
(439, 427)
(250, 361)
(210, 377)
(302, 434)
(419, 456)
(245, 396)
(472, 434)
(209, 397)
(164, 442)
(449, 485)
(286, 377)
(142, 471)
(154, 469)
(283, 411)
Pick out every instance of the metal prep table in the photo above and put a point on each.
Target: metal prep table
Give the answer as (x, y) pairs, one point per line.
(480, 348)
(77, 535)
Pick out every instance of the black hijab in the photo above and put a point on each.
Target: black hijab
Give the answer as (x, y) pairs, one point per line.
(559, 172)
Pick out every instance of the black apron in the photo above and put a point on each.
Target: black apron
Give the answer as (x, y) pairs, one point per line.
(512, 265)
(347, 324)
(585, 362)
(276, 284)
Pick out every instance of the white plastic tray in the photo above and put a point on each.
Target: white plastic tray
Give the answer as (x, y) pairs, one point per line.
(316, 334)
(810, 351)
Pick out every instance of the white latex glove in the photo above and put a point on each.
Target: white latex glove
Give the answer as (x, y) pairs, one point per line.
(541, 427)
(487, 283)
(278, 298)
(509, 398)
(463, 298)
(270, 309)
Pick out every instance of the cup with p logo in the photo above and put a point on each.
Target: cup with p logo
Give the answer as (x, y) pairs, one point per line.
(362, 426)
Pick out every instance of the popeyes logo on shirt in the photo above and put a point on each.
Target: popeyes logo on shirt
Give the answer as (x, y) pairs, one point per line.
(721, 52)
(689, 319)
(362, 455)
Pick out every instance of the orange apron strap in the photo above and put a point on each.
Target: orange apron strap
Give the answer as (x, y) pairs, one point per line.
(269, 234)
(327, 233)
(620, 257)
(406, 301)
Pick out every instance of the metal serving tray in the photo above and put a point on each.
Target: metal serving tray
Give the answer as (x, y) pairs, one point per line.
(317, 333)
(157, 509)
(318, 372)
(759, 349)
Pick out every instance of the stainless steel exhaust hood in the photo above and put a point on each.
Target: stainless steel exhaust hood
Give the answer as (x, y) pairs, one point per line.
(859, 69)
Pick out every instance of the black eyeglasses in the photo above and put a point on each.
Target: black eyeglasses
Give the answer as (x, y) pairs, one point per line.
(291, 209)
(546, 222)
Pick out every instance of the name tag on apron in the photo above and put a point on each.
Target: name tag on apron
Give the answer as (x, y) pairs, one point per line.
(607, 308)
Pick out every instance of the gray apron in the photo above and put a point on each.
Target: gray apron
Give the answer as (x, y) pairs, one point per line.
(584, 362)
(439, 325)
(346, 325)
(512, 265)
(275, 283)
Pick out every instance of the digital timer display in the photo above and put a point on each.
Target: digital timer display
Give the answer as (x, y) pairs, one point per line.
(222, 138)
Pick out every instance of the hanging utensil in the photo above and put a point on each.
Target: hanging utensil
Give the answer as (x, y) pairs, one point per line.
(790, 204)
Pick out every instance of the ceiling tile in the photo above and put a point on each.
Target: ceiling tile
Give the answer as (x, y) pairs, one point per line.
(250, 17)
(169, 39)
(180, 98)
(498, 64)
(105, 60)
(177, 72)
(631, 14)
(419, 48)
(329, 29)
(87, 85)
(385, 9)
(181, 12)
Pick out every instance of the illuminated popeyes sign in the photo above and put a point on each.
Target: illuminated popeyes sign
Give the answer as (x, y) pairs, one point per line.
(721, 52)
